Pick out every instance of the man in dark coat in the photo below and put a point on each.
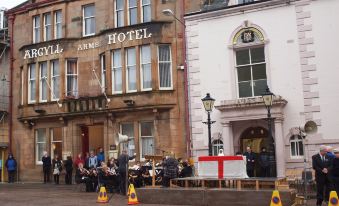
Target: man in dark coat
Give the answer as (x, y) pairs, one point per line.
(334, 170)
(250, 161)
(170, 165)
(123, 160)
(46, 166)
(264, 162)
(321, 163)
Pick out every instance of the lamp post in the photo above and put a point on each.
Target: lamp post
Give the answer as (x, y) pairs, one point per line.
(268, 101)
(208, 102)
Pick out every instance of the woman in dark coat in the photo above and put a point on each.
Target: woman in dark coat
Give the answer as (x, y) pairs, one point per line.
(69, 170)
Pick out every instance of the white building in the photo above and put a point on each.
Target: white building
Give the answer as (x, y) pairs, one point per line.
(234, 51)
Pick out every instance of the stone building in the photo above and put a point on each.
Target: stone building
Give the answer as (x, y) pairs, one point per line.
(87, 70)
(236, 48)
(4, 91)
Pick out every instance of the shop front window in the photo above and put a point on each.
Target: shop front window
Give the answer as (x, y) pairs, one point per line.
(56, 142)
(147, 139)
(128, 129)
(40, 144)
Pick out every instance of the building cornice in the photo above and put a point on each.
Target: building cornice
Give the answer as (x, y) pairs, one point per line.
(236, 9)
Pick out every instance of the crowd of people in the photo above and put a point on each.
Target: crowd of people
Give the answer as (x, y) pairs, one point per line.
(326, 166)
(93, 171)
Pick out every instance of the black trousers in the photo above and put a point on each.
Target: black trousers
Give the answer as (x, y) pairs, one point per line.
(323, 189)
(11, 175)
(265, 171)
(56, 179)
(250, 172)
(47, 173)
(166, 181)
(122, 185)
(68, 177)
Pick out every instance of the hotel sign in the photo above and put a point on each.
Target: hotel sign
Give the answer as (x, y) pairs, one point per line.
(43, 51)
(112, 39)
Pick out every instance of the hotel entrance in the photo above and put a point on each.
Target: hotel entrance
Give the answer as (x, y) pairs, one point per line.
(258, 138)
(92, 138)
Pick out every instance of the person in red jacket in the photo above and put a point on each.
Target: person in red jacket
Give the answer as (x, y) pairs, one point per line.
(79, 160)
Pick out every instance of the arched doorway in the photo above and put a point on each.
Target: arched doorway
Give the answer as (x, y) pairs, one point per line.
(257, 138)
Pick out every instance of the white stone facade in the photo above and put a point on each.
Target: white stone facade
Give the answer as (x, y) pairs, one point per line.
(300, 43)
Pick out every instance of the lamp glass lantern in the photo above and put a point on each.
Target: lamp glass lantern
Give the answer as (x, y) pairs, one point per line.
(268, 98)
(208, 102)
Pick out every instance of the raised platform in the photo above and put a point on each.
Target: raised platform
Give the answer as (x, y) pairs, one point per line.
(231, 183)
(207, 197)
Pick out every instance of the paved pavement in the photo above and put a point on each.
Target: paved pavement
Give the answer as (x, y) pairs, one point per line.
(34, 194)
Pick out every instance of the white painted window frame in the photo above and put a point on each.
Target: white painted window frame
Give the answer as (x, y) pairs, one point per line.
(53, 77)
(116, 11)
(30, 80)
(84, 20)
(41, 79)
(36, 29)
(75, 75)
(103, 72)
(297, 141)
(127, 70)
(236, 67)
(114, 67)
(171, 65)
(142, 5)
(56, 23)
(129, 12)
(142, 70)
(37, 160)
(46, 25)
(141, 139)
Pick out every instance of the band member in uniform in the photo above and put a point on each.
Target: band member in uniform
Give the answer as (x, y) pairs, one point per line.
(82, 176)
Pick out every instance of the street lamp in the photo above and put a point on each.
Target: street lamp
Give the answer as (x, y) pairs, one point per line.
(169, 12)
(208, 102)
(268, 97)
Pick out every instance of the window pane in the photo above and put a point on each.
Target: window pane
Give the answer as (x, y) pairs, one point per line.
(258, 55)
(117, 80)
(147, 76)
(58, 31)
(43, 75)
(133, 16)
(132, 3)
(146, 2)
(132, 75)
(259, 87)
(89, 11)
(57, 134)
(147, 146)
(293, 149)
(259, 71)
(57, 149)
(131, 58)
(146, 54)
(117, 58)
(120, 4)
(131, 67)
(32, 90)
(71, 67)
(165, 66)
(146, 128)
(147, 14)
(41, 135)
(245, 89)
(58, 17)
(90, 26)
(244, 73)
(164, 53)
(120, 19)
(243, 57)
(301, 149)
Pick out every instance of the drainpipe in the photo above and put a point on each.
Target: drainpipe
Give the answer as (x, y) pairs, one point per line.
(184, 57)
(10, 116)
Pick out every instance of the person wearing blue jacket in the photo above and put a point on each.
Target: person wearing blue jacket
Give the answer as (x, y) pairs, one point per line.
(100, 156)
(11, 168)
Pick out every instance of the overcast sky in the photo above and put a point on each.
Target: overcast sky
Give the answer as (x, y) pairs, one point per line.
(10, 3)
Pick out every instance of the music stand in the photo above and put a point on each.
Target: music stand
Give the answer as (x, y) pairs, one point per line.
(153, 158)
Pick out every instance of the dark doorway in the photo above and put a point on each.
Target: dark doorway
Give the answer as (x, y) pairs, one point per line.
(92, 138)
(258, 138)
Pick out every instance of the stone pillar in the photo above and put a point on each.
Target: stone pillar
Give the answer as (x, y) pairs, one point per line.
(279, 147)
(228, 138)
